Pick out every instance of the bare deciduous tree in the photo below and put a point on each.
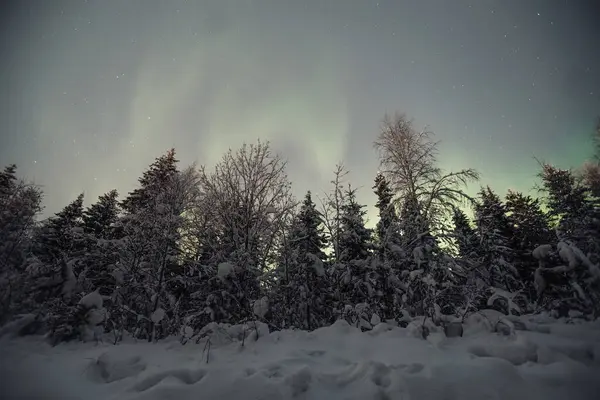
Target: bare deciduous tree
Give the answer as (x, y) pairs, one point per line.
(408, 159)
(331, 208)
(250, 195)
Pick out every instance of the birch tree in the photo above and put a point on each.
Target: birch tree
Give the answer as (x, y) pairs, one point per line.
(408, 160)
(426, 196)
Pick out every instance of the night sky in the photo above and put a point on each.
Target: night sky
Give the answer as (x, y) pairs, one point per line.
(93, 91)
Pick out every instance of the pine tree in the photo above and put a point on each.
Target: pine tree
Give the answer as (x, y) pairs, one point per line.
(387, 212)
(575, 286)
(58, 249)
(531, 228)
(306, 278)
(8, 180)
(148, 248)
(355, 238)
(359, 280)
(99, 270)
(496, 255)
(568, 201)
(20, 203)
(465, 236)
(466, 268)
(153, 181)
(100, 217)
(60, 236)
(389, 252)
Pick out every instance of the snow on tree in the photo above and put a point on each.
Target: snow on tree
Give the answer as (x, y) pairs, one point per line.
(98, 265)
(358, 277)
(58, 247)
(425, 196)
(301, 280)
(225, 269)
(250, 197)
(92, 300)
(575, 284)
(148, 240)
(568, 201)
(20, 204)
(495, 254)
(355, 238)
(261, 307)
(530, 228)
(388, 250)
(590, 172)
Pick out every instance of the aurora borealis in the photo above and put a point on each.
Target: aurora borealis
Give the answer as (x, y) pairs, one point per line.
(93, 91)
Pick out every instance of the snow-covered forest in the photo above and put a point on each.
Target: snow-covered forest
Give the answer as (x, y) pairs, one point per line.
(192, 246)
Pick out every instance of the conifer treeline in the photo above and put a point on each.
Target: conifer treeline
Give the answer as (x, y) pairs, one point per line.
(192, 246)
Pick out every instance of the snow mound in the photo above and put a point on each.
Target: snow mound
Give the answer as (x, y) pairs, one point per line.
(224, 270)
(111, 367)
(91, 300)
(540, 359)
(261, 307)
(18, 326)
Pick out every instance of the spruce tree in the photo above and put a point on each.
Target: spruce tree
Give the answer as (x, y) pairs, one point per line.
(359, 280)
(531, 228)
(60, 236)
(154, 180)
(306, 274)
(100, 217)
(389, 251)
(575, 285)
(20, 203)
(149, 231)
(8, 180)
(465, 236)
(59, 246)
(496, 255)
(99, 265)
(386, 210)
(355, 238)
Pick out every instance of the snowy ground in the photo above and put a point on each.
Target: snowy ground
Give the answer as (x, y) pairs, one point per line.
(547, 361)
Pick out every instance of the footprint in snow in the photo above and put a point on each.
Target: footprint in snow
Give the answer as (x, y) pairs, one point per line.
(108, 368)
(185, 376)
(380, 375)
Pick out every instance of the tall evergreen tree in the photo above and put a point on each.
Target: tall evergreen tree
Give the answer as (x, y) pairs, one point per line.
(154, 180)
(569, 202)
(465, 235)
(8, 180)
(496, 255)
(59, 246)
(575, 285)
(531, 228)
(60, 236)
(99, 270)
(355, 239)
(20, 203)
(307, 279)
(100, 217)
(359, 279)
(386, 210)
(389, 251)
(149, 248)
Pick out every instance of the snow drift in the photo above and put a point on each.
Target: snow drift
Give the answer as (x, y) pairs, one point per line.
(537, 358)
